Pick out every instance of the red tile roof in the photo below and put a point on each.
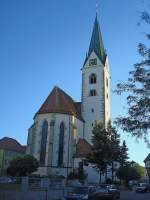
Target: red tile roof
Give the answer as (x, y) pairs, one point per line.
(60, 102)
(12, 145)
(83, 149)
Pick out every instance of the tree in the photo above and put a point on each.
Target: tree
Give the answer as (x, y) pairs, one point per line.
(115, 148)
(128, 173)
(22, 166)
(139, 169)
(137, 120)
(101, 145)
(123, 154)
(105, 148)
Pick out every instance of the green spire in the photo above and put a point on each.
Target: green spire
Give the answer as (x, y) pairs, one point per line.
(96, 43)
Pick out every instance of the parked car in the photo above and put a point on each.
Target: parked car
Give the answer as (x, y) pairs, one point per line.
(105, 192)
(114, 191)
(5, 180)
(77, 193)
(142, 188)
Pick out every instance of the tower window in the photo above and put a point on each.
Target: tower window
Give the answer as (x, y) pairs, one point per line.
(92, 78)
(92, 62)
(93, 93)
(92, 109)
(107, 81)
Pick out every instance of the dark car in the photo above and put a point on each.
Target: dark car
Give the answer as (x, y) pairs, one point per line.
(77, 193)
(105, 192)
(112, 189)
(142, 188)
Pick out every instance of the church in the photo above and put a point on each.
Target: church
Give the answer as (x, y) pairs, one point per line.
(60, 136)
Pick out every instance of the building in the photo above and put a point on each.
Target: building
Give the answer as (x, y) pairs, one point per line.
(9, 149)
(60, 135)
(147, 165)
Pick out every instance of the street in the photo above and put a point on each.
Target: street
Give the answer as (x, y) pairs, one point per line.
(131, 195)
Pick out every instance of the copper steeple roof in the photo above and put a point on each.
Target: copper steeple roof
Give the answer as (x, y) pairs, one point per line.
(96, 43)
(60, 102)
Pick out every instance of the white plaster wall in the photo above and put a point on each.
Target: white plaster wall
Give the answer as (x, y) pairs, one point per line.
(95, 102)
(93, 174)
(69, 121)
(107, 92)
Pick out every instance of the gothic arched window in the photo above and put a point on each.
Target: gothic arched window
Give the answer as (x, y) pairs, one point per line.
(92, 78)
(93, 92)
(61, 144)
(43, 142)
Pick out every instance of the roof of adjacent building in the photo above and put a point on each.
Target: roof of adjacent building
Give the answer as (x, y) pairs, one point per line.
(60, 102)
(96, 43)
(12, 145)
(147, 158)
(83, 148)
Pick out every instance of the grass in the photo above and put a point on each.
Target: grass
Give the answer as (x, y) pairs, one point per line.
(9, 186)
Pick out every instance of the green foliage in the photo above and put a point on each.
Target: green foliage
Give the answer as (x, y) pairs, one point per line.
(130, 171)
(115, 148)
(76, 175)
(127, 173)
(123, 154)
(100, 148)
(105, 147)
(139, 169)
(137, 120)
(22, 166)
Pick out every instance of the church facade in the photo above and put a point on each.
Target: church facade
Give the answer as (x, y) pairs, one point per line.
(60, 136)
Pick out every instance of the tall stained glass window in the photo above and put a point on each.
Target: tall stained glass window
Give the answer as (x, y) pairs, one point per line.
(61, 144)
(43, 143)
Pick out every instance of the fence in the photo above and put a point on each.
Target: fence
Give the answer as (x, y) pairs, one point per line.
(34, 188)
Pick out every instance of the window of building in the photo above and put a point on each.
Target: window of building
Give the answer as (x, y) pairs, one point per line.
(107, 95)
(93, 92)
(93, 62)
(61, 144)
(92, 78)
(147, 164)
(52, 124)
(92, 110)
(107, 81)
(43, 142)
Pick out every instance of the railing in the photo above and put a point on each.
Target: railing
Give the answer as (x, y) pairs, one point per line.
(34, 183)
(11, 183)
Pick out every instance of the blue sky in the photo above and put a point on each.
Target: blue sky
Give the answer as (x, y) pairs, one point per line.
(43, 43)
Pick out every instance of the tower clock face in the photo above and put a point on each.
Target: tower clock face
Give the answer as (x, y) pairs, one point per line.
(93, 62)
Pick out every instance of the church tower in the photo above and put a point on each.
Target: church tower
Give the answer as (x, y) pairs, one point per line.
(95, 84)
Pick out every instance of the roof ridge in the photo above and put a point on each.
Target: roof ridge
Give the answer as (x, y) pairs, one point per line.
(59, 101)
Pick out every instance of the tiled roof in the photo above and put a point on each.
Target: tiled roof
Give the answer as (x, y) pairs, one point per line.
(12, 145)
(83, 149)
(78, 106)
(60, 102)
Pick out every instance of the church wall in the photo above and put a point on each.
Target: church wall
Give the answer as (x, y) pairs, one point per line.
(107, 92)
(90, 171)
(73, 130)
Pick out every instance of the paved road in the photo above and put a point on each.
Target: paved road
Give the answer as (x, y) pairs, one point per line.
(127, 195)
